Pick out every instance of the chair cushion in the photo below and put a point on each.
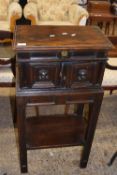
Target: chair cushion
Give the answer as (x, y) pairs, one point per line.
(4, 25)
(110, 76)
(4, 9)
(6, 53)
(52, 10)
(4, 4)
(6, 75)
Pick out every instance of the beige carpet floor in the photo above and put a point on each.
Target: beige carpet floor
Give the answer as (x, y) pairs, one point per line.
(60, 161)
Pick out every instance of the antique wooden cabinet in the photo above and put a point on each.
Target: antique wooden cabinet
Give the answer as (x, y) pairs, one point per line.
(59, 65)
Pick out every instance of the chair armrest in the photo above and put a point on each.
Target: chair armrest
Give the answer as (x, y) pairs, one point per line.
(78, 15)
(31, 12)
(111, 66)
(14, 13)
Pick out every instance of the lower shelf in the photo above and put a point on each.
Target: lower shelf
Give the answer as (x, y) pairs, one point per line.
(54, 131)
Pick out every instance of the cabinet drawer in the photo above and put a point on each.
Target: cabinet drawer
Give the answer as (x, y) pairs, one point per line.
(58, 99)
(39, 75)
(41, 100)
(83, 74)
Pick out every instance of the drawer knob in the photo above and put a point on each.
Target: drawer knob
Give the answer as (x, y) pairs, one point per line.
(43, 75)
(82, 74)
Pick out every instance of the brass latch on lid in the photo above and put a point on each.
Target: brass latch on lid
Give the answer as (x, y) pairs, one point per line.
(64, 54)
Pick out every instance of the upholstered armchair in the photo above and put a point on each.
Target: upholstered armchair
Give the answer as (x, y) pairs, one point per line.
(55, 12)
(10, 11)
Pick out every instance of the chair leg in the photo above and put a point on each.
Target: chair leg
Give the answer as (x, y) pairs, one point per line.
(112, 159)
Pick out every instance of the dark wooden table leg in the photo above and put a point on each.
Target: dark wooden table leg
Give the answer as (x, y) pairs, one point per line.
(95, 109)
(13, 68)
(21, 129)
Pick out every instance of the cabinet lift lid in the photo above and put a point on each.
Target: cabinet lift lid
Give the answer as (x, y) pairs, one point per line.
(40, 38)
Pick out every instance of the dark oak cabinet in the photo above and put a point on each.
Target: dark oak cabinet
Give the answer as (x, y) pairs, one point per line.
(60, 70)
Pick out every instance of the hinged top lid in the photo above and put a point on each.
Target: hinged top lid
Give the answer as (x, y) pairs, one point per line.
(40, 38)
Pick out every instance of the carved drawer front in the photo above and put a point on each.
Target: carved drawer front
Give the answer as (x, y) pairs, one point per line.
(39, 75)
(82, 74)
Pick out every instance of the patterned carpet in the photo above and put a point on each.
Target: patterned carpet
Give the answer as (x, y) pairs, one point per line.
(60, 161)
